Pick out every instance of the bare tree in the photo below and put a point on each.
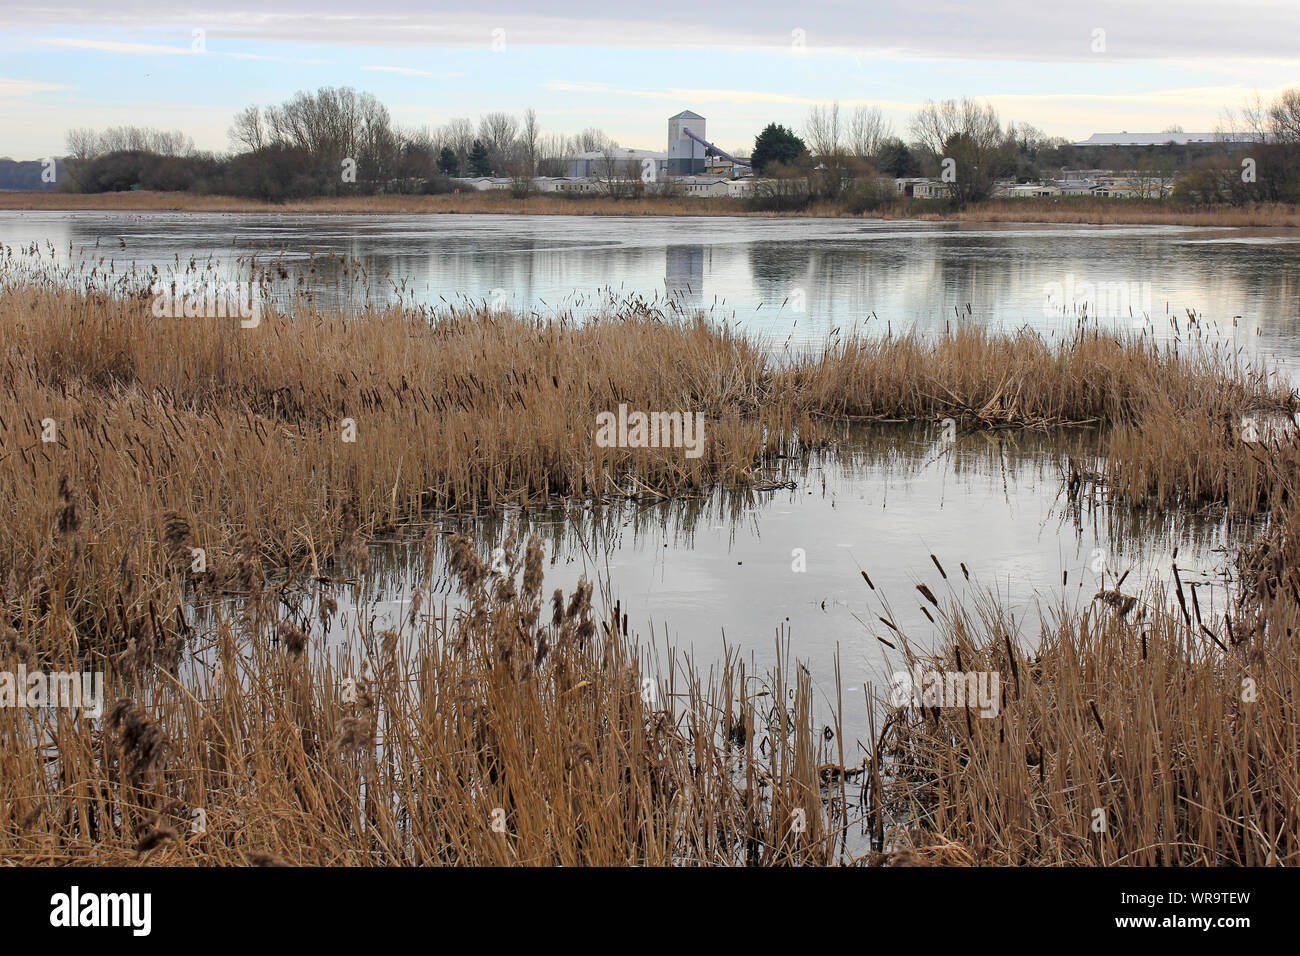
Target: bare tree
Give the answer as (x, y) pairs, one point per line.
(458, 136)
(417, 155)
(592, 140)
(1284, 117)
(249, 130)
(965, 140)
(553, 151)
(529, 134)
(868, 131)
(836, 167)
(82, 143)
(87, 144)
(331, 126)
(497, 132)
(822, 132)
(172, 142)
(618, 174)
(307, 122)
(377, 144)
(81, 149)
(1152, 178)
(1270, 137)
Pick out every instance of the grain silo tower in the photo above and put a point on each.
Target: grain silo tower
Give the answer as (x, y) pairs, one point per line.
(685, 155)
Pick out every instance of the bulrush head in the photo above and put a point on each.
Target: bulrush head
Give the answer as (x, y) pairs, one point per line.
(142, 746)
(466, 563)
(293, 637)
(355, 734)
(69, 516)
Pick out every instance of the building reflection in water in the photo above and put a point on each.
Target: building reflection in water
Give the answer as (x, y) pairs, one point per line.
(684, 274)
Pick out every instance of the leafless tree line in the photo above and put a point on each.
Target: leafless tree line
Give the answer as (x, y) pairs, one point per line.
(859, 135)
(1266, 167)
(84, 143)
(336, 121)
(964, 137)
(1276, 122)
(329, 125)
(515, 146)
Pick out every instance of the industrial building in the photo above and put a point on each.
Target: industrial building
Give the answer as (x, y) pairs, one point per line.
(624, 160)
(1109, 186)
(1162, 139)
(687, 154)
(691, 167)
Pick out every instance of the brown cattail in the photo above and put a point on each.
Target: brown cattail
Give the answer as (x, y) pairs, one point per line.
(154, 838)
(266, 859)
(176, 536)
(533, 568)
(465, 562)
(327, 608)
(143, 746)
(294, 638)
(355, 734)
(69, 516)
(10, 644)
(1121, 602)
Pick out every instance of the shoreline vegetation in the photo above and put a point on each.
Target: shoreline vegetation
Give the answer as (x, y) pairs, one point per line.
(518, 728)
(1084, 211)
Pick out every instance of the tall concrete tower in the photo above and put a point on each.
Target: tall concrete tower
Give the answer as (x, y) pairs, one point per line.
(685, 155)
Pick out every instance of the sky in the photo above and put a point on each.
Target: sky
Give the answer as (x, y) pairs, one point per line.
(1070, 69)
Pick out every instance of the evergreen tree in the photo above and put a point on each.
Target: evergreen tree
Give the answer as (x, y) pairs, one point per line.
(777, 145)
(897, 159)
(478, 160)
(448, 164)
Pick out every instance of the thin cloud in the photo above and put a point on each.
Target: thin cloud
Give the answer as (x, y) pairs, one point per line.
(10, 87)
(1024, 30)
(158, 49)
(410, 71)
(117, 46)
(697, 95)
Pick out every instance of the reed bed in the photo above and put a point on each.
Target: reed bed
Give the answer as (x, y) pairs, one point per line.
(1103, 212)
(1124, 738)
(235, 438)
(1086, 210)
(1218, 459)
(179, 434)
(1143, 730)
(517, 731)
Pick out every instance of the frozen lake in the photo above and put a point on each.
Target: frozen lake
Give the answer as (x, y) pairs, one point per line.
(792, 280)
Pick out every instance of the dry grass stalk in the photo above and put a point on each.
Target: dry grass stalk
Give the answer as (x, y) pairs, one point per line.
(1082, 210)
(181, 435)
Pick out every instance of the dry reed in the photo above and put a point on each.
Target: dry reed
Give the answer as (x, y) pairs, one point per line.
(1084, 210)
(496, 735)
(507, 733)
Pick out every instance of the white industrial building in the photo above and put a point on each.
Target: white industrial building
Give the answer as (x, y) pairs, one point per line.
(686, 156)
(691, 168)
(1162, 139)
(624, 160)
(689, 156)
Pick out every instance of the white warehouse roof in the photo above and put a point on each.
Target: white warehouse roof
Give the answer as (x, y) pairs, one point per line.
(1162, 139)
(620, 152)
